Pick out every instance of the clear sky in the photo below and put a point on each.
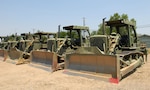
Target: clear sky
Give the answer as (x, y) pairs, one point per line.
(23, 16)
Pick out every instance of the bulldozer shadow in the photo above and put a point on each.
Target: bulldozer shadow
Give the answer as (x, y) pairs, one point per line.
(44, 67)
(99, 77)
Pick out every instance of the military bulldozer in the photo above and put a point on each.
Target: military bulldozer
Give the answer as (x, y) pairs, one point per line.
(3, 47)
(23, 42)
(111, 56)
(38, 42)
(54, 55)
(44, 47)
(7, 43)
(20, 49)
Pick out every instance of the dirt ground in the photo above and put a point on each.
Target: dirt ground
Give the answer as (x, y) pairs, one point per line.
(26, 77)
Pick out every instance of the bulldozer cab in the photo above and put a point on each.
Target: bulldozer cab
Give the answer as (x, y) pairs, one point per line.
(43, 36)
(79, 35)
(23, 41)
(126, 30)
(41, 40)
(11, 41)
(26, 36)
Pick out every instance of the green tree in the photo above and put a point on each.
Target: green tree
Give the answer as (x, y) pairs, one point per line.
(94, 33)
(134, 21)
(100, 29)
(12, 37)
(62, 34)
(116, 16)
(124, 16)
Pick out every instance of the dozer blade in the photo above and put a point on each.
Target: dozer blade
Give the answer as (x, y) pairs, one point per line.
(104, 67)
(3, 55)
(45, 58)
(14, 53)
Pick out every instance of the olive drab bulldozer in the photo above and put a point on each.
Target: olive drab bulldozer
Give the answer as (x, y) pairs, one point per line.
(7, 45)
(20, 49)
(111, 56)
(54, 55)
(44, 48)
(15, 46)
(38, 43)
(22, 44)
(3, 47)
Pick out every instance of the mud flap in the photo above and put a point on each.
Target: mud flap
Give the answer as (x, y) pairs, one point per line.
(94, 64)
(44, 58)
